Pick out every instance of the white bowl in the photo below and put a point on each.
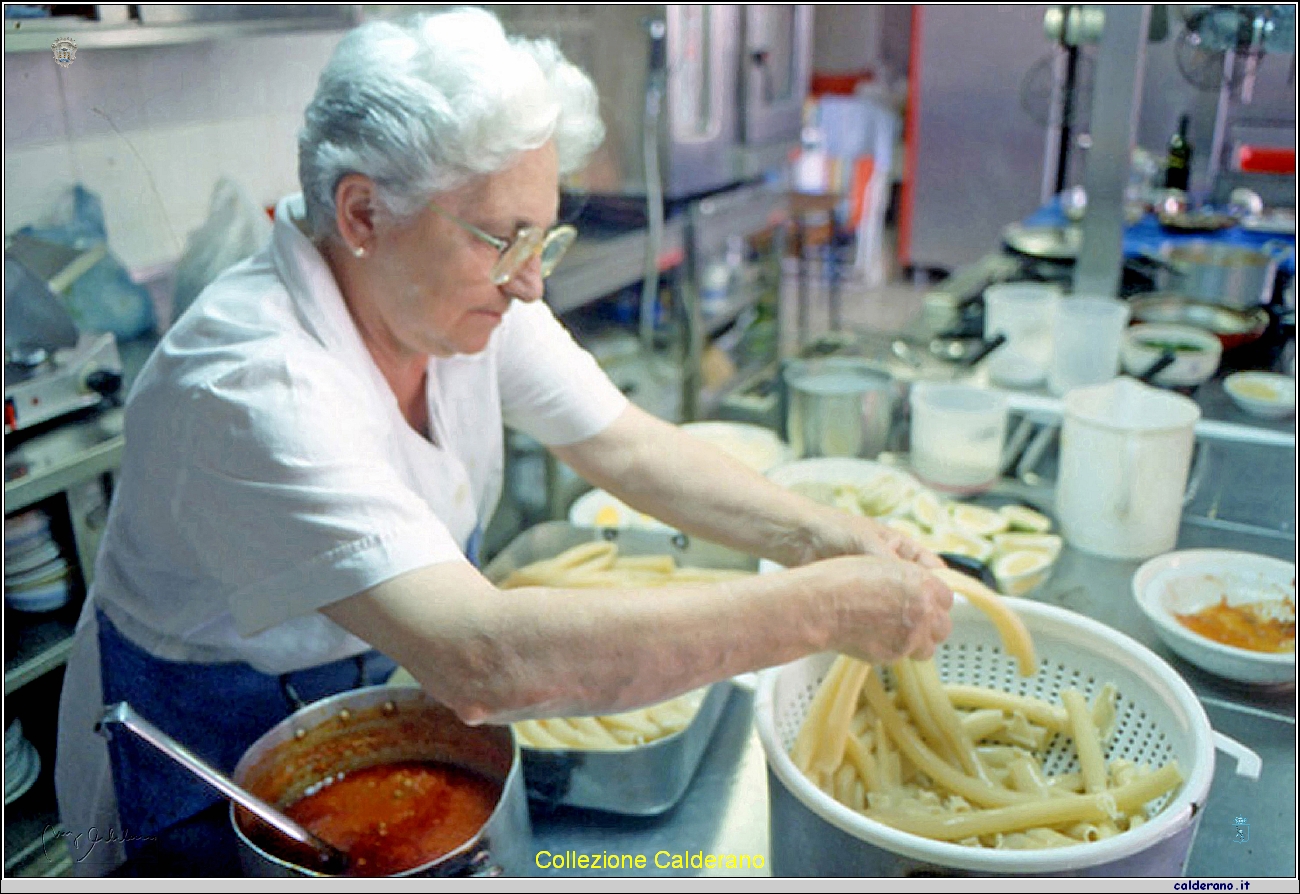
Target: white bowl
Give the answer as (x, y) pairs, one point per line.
(1196, 356)
(757, 447)
(1261, 393)
(887, 489)
(1189, 580)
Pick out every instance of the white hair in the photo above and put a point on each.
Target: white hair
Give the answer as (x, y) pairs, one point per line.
(425, 106)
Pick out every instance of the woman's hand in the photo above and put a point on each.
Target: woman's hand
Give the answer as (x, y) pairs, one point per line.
(844, 534)
(882, 609)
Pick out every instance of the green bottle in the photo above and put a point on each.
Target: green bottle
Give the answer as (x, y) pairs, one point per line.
(1178, 165)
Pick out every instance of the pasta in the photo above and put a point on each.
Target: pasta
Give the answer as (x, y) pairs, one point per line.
(598, 564)
(1015, 638)
(965, 764)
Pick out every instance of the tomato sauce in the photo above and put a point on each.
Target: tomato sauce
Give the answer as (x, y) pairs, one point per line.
(1248, 626)
(394, 817)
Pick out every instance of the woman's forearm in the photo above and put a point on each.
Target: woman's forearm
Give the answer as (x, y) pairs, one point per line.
(662, 471)
(495, 655)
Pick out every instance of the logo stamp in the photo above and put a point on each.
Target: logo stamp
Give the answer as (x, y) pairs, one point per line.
(1241, 830)
(65, 51)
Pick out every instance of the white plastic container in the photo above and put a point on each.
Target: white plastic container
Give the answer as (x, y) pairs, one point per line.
(957, 435)
(1086, 338)
(1022, 312)
(1126, 449)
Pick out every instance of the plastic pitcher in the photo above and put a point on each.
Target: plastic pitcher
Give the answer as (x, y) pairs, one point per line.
(957, 435)
(1126, 449)
(1086, 337)
(1022, 312)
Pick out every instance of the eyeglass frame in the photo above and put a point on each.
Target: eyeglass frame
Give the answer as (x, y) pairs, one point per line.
(544, 240)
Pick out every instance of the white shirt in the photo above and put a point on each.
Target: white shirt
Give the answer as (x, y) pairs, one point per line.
(269, 472)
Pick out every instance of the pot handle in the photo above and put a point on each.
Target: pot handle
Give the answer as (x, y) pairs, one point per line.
(1277, 249)
(1249, 763)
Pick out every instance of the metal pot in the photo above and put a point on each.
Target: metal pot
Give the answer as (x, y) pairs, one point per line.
(1221, 274)
(838, 406)
(379, 725)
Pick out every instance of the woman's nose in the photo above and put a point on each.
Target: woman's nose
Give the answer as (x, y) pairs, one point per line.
(527, 283)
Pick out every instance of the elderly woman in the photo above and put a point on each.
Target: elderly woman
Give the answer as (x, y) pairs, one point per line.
(316, 445)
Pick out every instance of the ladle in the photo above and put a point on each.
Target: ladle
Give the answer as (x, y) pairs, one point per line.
(329, 859)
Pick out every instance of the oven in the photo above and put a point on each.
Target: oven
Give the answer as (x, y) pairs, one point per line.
(695, 97)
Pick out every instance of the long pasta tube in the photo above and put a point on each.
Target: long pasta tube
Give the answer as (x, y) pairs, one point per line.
(1086, 741)
(913, 699)
(1036, 709)
(887, 758)
(857, 753)
(830, 752)
(973, 790)
(945, 716)
(1011, 818)
(805, 744)
(1012, 631)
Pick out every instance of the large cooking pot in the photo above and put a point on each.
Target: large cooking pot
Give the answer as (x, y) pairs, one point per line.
(370, 727)
(1231, 275)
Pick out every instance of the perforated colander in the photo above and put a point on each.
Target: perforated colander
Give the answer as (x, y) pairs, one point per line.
(1158, 719)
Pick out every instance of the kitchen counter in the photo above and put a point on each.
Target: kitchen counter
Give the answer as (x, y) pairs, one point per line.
(1247, 502)
(725, 811)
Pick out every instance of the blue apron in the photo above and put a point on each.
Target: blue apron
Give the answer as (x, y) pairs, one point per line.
(215, 710)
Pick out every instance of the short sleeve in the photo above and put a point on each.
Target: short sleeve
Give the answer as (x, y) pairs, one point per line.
(551, 388)
(292, 500)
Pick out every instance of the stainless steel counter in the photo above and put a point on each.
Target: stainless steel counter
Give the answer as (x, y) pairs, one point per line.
(725, 811)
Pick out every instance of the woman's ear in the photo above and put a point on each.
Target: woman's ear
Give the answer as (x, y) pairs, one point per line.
(354, 214)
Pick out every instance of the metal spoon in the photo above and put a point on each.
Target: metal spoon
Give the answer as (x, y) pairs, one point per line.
(329, 859)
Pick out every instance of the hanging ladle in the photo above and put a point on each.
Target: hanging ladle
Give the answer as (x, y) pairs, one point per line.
(327, 858)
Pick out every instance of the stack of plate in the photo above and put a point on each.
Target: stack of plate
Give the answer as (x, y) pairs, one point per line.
(36, 574)
(22, 763)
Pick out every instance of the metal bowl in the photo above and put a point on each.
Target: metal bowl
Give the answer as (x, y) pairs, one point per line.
(643, 780)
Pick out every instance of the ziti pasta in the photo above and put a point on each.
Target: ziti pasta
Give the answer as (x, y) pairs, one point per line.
(598, 564)
(968, 764)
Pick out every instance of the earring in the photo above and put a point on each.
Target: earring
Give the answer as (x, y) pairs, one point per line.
(359, 251)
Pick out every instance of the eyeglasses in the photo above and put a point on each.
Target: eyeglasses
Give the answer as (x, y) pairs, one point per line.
(515, 253)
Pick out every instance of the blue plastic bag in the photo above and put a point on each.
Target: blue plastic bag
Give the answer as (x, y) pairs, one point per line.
(103, 299)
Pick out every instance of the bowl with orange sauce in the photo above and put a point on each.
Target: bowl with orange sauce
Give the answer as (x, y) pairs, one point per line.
(1229, 613)
(393, 779)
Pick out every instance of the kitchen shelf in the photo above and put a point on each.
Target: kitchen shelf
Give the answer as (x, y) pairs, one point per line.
(41, 648)
(35, 846)
(59, 476)
(36, 35)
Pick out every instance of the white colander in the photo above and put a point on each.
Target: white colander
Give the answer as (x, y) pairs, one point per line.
(1158, 719)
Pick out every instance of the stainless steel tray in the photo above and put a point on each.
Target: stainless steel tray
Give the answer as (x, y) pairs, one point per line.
(646, 780)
